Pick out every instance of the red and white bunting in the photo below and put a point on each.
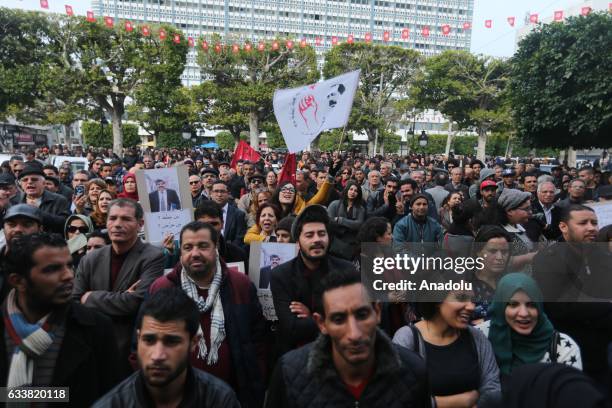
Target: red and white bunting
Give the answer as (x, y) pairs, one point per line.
(446, 29)
(425, 31)
(289, 45)
(303, 43)
(350, 39)
(248, 47)
(533, 18)
(217, 48)
(261, 46)
(205, 45)
(275, 45)
(467, 25)
(488, 23)
(235, 48)
(146, 31)
(511, 21)
(128, 26)
(558, 15)
(162, 34)
(177, 39)
(69, 10)
(44, 4)
(585, 11)
(334, 40)
(386, 36)
(368, 38)
(190, 41)
(405, 34)
(318, 41)
(108, 21)
(90, 16)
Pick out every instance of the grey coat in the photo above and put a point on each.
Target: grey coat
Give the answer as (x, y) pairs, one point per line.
(144, 262)
(336, 209)
(490, 388)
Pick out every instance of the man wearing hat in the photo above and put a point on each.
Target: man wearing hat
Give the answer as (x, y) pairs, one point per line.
(209, 175)
(485, 174)
(20, 219)
(295, 284)
(54, 208)
(164, 199)
(417, 226)
(7, 187)
(508, 180)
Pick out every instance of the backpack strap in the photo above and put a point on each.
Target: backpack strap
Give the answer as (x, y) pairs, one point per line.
(416, 338)
(553, 346)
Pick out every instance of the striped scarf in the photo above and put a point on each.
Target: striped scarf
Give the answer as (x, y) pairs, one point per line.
(217, 319)
(32, 340)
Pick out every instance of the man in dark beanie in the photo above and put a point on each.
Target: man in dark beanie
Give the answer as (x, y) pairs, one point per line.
(296, 283)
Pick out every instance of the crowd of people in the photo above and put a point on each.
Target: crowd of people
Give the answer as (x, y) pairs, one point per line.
(89, 304)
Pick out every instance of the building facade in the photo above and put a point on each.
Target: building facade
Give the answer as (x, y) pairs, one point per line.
(316, 21)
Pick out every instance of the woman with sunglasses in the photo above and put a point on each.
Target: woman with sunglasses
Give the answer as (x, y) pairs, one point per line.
(520, 331)
(75, 231)
(100, 212)
(292, 203)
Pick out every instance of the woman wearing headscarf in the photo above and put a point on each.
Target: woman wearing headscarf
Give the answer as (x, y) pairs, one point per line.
(129, 187)
(520, 331)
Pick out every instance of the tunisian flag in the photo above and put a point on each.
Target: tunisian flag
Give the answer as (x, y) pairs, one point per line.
(288, 171)
(244, 152)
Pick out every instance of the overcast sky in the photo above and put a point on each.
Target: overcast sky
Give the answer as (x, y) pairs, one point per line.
(497, 41)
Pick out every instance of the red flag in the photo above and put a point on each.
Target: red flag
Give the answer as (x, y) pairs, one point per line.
(69, 10)
(425, 31)
(350, 39)
(368, 37)
(128, 26)
(275, 45)
(146, 31)
(162, 34)
(318, 41)
(467, 25)
(288, 171)
(44, 4)
(511, 21)
(261, 46)
(205, 45)
(235, 48)
(177, 39)
(386, 36)
(90, 16)
(533, 18)
(558, 15)
(190, 41)
(303, 43)
(405, 33)
(446, 29)
(585, 11)
(488, 23)
(244, 152)
(248, 47)
(289, 44)
(334, 40)
(108, 21)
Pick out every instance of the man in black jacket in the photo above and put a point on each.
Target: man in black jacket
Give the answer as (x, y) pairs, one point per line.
(75, 347)
(352, 363)
(167, 334)
(295, 284)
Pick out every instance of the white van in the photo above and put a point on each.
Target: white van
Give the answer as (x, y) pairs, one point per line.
(76, 163)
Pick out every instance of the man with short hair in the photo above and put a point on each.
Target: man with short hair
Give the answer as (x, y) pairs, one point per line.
(195, 188)
(238, 188)
(54, 208)
(106, 170)
(164, 199)
(115, 279)
(352, 362)
(231, 325)
(575, 193)
(52, 174)
(546, 216)
(296, 283)
(372, 185)
(587, 175)
(438, 192)
(417, 227)
(167, 334)
(94, 168)
(16, 163)
(234, 219)
(148, 161)
(456, 184)
(211, 213)
(530, 183)
(49, 341)
(382, 202)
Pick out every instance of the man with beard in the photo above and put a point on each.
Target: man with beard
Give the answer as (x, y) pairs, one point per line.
(352, 362)
(574, 276)
(167, 334)
(231, 345)
(417, 227)
(296, 283)
(49, 341)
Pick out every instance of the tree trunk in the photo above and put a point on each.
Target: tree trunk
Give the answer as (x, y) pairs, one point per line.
(236, 137)
(254, 130)
(571, 157)
(117, 133)
(482, 144)
(449, 138)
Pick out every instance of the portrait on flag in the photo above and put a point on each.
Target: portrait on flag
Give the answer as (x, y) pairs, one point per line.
(303, 113)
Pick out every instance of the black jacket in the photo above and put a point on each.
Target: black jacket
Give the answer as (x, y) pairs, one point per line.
(234, 227)
(201, 390)
(290, 283)
(54, 209)
(171, 196)
(307, 377)
(87, 360)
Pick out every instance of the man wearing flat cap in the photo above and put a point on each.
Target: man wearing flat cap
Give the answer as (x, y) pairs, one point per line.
(54, 208)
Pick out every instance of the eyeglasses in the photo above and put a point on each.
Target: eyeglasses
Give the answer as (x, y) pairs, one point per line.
(287, 190)
(256, 181)
(526, 209)
(83, 230)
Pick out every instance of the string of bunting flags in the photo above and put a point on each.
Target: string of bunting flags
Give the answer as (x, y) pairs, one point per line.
(426, 31)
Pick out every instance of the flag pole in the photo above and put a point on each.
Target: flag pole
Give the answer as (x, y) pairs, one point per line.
(342, 137)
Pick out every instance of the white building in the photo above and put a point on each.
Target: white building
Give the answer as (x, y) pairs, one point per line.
(305, 19)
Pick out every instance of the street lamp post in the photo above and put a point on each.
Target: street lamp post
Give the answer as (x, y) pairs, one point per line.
(423, 139)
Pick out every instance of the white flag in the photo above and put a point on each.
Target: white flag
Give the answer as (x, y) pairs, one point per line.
(303, 113)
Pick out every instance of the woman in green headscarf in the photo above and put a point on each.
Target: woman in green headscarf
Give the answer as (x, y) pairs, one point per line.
(519, 330)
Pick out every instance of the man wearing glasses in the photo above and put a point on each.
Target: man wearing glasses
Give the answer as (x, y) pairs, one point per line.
(195, 188)
(234, 219)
